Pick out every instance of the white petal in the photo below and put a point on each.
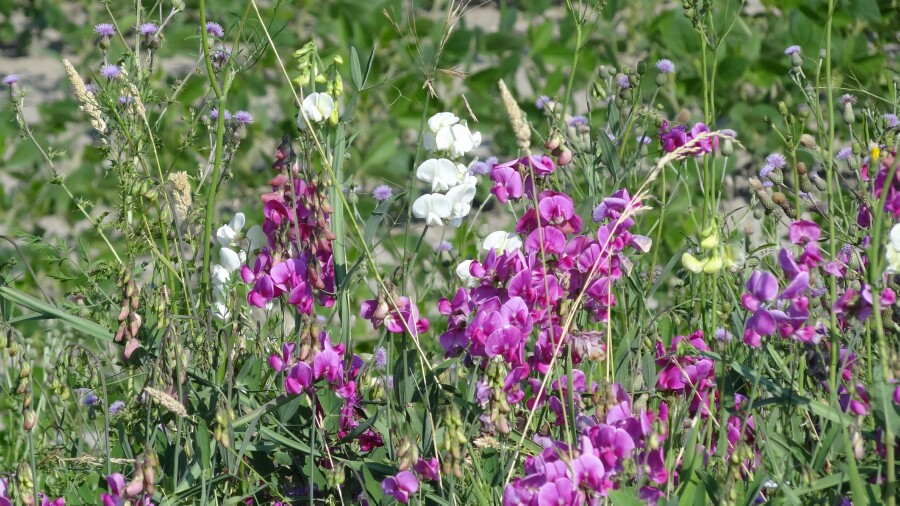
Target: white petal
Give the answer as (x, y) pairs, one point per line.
(895, 237)
(256, 237)
(226, 236)
(220, 311)
(441, 120)
(237, 223)
(462, 270)
(443, 139)
(325, 105)
(503, 242)
(230, 259)
(432, 207)
(220, 276)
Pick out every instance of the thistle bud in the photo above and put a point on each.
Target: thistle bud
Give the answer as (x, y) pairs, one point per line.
(782, 108)
(808, 141)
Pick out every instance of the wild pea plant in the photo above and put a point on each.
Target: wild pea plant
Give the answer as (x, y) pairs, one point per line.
(547, 349)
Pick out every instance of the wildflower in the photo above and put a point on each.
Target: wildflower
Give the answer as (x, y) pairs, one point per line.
(792, 50)
(447, 134)
(776, 160)
(116, 407)
(442, 173)
(214, 29)
(327, 363)
(110, 71)
(892, 252)
(892, 121)
(501, 242)
(401, 486)
(665, 66)
(433, 208)
(230, 235)
(382, 193)
(727, 132)
(796, 59)
(105, 29)
(243, 117)
(623, 81)
(148, 29)
(846, 98)
(542, 102)
(126, 100)
(461, 197)
(427, 469)
(845, 154)
(443, 246)
(578, 120)
(643, 140)
(481, 168)
(317, 107)
(214, 115)
(380, 358)
(300, 379)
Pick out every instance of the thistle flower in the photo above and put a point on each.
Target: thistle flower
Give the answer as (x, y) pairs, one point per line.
(578, 120)
(148, 29)
(214, 114)
(11, 79)
(105, 29)
(776, 160)
(623, 81)
(665, 66)
(382, 193)
(892, 121)
(443, 246)
(481, 168)
(116, 407)
(542, 102)
(380, 358)
(110, 71)
(243, 117)
(792, 50)
(214, 29)
(845, 154)
(846, 98)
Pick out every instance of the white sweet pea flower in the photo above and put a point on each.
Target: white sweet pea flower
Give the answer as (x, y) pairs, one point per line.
(462, 270)
(220, 276)
(457, 140)
(893, 251)
(503, 242)
(229, 236)
(256, 238)
(441, 120)
(317, 107)
(220, 311)
(461, 198)
(232, 260)
(440, 172)
(433, 208)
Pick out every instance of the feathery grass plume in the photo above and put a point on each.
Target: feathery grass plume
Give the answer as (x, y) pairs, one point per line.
(181, 194)
(167, 401)
(516, 118)
(87, 101)
(138, 103)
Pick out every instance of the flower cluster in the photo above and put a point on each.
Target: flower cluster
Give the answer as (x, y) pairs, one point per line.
(624, 446)
(452, 183)
(677, 136)
(297, 256)
(522, 287)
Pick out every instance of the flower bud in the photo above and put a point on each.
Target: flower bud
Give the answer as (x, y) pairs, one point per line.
(29, 419)
(847, 114)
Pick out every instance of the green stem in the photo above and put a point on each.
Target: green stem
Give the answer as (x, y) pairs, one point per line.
(578, 41)
(217, 158)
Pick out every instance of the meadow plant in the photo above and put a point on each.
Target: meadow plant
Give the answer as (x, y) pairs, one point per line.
(296, 340)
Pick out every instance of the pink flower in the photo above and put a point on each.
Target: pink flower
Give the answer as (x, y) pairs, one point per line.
(299, 380)
(401, 486)
(427, 469)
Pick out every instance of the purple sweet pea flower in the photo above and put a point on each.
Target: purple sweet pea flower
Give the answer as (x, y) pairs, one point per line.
(328, 364)
(427, 469)
(508, 182)
(401, 486)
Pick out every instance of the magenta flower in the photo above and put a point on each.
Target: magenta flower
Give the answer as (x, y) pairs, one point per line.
(327, 363)
(762, 287)
(401, 486)
(45, 501)
(427, 469)
(283, 361)
(507, 182)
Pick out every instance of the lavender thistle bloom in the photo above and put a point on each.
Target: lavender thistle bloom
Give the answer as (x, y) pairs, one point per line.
(110, 71)
(443, 246)
(11, 79)
(382, 192)
(643, 139)
(623, 81)
(243, 117)
(214, 114)
(846, 98)
(845, 154)
(776, 160)
(148, 29)
(665, 66)
(90, 88)
(214, 29)
(116, 407)
(727, 132)
(542, 102)
(892, 120)
(792, 50)
(380, 358)
(125, 100)
(105, 30)
(578, 120)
